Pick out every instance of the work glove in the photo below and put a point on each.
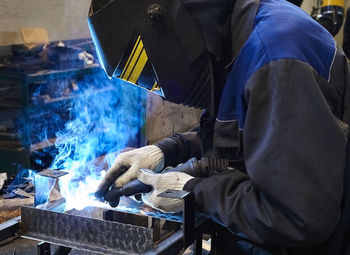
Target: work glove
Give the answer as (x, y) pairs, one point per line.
(126, 165)
(176, 178)
(160, 183)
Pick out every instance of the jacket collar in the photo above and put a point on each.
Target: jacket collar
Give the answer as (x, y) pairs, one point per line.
(242, 23)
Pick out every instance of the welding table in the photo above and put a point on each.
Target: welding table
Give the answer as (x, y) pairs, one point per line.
(117, 232)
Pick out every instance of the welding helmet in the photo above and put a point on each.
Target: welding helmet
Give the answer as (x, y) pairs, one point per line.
(154, 44)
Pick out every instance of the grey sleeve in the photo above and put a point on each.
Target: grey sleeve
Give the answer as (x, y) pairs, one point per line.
(294, 151)
(179, 148)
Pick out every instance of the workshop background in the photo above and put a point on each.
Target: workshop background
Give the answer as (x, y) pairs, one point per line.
(62, 19)
(58, 109)
(47, 93)
(66, 21)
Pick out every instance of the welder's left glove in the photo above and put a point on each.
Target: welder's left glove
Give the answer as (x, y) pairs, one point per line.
(160, 183)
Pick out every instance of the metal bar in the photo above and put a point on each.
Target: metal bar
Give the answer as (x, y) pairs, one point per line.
(156, 229)
(44, 248)
(108, 215)
(198, 245)
(126, 218)
(43, 187)
(9, 228)
(61, 250)
(52, 173)
(170, 246)
(62, 74)
(44, 183)
(189, 234)
(9, 136)
(161, 228)
(189, 211)
(83, 233)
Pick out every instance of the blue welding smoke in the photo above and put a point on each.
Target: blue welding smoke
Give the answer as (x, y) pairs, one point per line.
(106, 117)
(94, 121)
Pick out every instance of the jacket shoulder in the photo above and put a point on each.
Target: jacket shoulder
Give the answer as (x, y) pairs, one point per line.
(287, 32)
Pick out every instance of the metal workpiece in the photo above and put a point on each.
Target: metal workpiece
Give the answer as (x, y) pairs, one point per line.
(52, 173)
(44, 182)
(161, 228)
(95, 235)
(170, 246)
(106, 231)
(117, 233)
(44, 248)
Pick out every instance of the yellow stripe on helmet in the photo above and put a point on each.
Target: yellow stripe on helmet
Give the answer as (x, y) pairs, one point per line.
(136, 62)
(130, 57)
(137, 70)
(155, 87)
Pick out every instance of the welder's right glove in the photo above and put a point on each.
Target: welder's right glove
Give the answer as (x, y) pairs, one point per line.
(176, 178)
(160, 183)
(126, 165)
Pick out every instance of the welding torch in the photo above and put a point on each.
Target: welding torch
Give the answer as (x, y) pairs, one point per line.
(198, 168)
(129, 189)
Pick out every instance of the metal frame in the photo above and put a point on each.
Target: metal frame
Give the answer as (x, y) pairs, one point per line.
(194, 227)
(142, 235)
(84, 233)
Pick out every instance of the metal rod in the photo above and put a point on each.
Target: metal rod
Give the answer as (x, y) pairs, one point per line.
(170, 246)
(198, 245)
(44, 248)
(61, 250)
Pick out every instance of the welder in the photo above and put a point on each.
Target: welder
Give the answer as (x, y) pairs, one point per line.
(267, 162)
